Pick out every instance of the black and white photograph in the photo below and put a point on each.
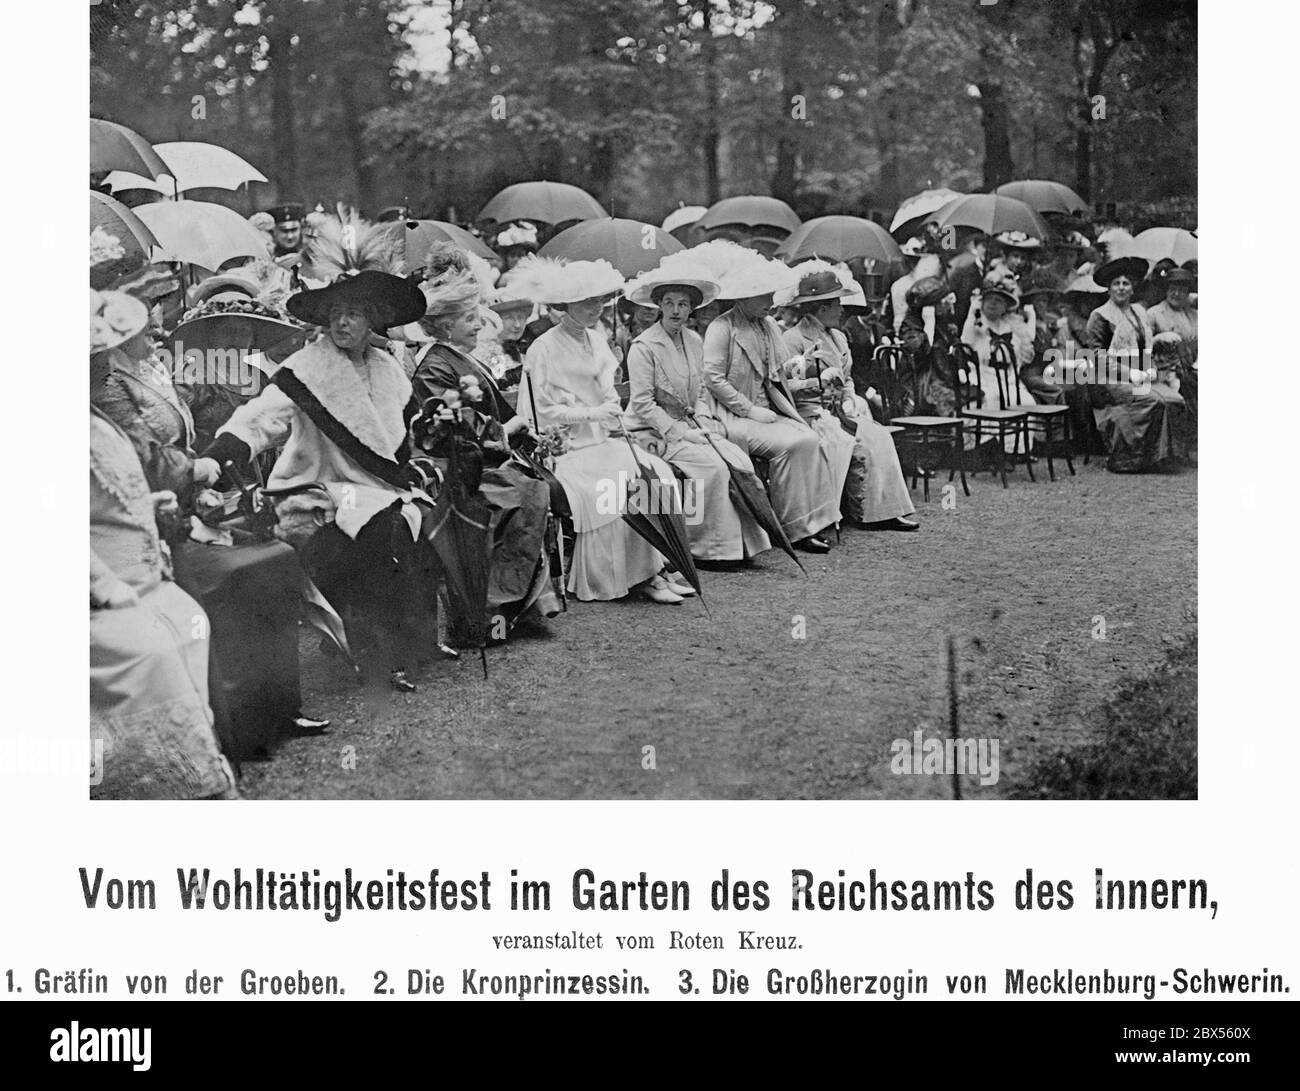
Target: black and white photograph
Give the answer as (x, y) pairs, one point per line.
(700, 400)
(661, 500)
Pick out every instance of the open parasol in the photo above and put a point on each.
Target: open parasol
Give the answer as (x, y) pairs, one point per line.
(992, 215)
(1044, 195)
(840, 238)
(419, 236)
(542, 202)
(631, 246)
(115, 147)
(202, 233)
(191, 164)
(121, 222)
(911, 213)
(750, 210)
(1155, 244)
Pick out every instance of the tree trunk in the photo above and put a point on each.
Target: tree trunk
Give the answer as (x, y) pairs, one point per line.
(712, 136)
(284, 127)
(995, 119)
(354, 133)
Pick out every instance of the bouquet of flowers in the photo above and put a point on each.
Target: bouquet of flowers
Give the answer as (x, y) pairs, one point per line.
(552, 442)
(455, 426)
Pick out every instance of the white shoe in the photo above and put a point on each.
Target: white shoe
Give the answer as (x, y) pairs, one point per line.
(677, 584)
(657, 590)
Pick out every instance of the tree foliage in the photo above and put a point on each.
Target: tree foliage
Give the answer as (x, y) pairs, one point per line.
(833, 105)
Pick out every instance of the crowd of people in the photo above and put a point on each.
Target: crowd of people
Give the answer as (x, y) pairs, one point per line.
(389, 417)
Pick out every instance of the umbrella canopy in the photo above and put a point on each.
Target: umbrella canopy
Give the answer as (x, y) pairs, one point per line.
(683, 216)
(751, 211)
(419, 236)
(191, 164)
(1158, 243)
(992, 215)
(115, 147)
(201, 233)
(115, 218)
(631, 246)
(840, 238)
(1043, 195)
(918, 206)
(542, 202)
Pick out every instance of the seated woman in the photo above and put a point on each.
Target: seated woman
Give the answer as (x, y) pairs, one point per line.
(250, 591)
(995, 317)
(667, 410)
(150, 714)
(519, 578)
(1143, 421)
(569, 372)
(865, 464)
(338, 408)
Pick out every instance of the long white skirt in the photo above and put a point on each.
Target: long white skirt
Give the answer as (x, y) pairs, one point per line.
(609, 557)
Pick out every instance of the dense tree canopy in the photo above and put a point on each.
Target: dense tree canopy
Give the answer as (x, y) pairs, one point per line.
(833, 105)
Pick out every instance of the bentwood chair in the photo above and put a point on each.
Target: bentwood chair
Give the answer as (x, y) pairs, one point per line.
(1006, 422)
(1042, 420)
(924, 439)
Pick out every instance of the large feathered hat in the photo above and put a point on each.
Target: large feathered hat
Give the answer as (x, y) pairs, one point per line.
(738, 271)
(115, 318)
(363, 264)
(554, 280)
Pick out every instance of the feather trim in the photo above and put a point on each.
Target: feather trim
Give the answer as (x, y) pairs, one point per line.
(345, 244)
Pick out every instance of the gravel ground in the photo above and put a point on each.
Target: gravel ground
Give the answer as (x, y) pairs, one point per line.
(738, 706)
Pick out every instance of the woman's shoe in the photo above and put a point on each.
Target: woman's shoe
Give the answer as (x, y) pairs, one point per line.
(657, 590)
(677, 584)
(401, 683)
(901, 523)
(813, 544)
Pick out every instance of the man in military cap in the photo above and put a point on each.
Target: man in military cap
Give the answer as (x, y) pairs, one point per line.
(287, 230)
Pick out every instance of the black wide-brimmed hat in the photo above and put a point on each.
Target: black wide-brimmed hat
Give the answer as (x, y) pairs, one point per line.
(396, 300)
(1133, 268)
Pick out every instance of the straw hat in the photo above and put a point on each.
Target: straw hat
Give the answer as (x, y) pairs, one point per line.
(509, 298)
(1018, 240)
(640, 289)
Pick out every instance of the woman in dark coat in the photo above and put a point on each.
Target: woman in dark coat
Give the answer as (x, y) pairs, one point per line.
(519, 577)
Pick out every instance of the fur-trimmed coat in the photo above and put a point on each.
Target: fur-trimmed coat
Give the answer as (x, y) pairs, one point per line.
(369, 401)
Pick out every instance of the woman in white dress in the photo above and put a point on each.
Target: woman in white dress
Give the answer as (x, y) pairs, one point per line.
(570, 384)
(668, 410)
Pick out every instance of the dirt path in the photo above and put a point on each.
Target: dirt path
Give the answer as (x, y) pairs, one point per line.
(740, 707)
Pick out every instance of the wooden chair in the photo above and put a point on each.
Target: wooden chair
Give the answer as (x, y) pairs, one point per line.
(1009, 423)
(948, 433)
(1042, 419)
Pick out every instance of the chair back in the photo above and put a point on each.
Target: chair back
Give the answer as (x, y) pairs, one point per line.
(965, 373)
(888, 359)
(1003, 360)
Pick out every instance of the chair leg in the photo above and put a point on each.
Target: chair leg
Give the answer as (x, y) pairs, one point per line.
(961, 456)
(1069, 442)
(1029, 458)
(1047, 433)
(1002, 453)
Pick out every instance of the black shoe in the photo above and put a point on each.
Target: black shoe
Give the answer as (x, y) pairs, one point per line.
(305, 725)
(401, 683)
(900, 523)
(813, 544)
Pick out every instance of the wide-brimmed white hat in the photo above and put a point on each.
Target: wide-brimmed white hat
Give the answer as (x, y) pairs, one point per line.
(739, 272)
(554, 280)
(640, 289)
(115, 318)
